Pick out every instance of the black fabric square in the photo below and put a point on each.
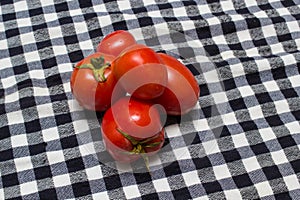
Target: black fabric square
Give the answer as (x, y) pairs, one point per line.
(296, 165)
(42, 172)
(24, 84)
(228, 27)
(253, 23)
(65, 20)
(8, 16)
(81, 189)
(58, 97)
(229, 84)
(289, 93)
(13, 51)
(212, 187)
(203, 32)
(287, 141)
(69, 142)
(4, 132)
(253, 79)
(260, 149)
(263, 98)
(172, 169)
(10, 180)
(272, 172)
(163, 6)
(242, 180)
(231, 155)
(145, 21)
(202, 163)
(283, 196)
(287, 3)
(63, 119)
(237, 104)
(182, 193)
(274, 120)
(72, 39)
(33, 126)
(284, 37)
(75, 164)
(35, 11)
(277, 19)
(212, 50)
(6, 155)
(95, 33)
(43, 44)
(150, 196)
(279, 73)
(20, 69)
(37, 148)
(12, 32)
(53, 80)
(260, 42)
(296, 114)
(48, 63)
(112, 182)
(85, 3)
(204, 90)
(39, 26)
(248, 125)
(61, 7)
(48, 194)
(27, 102)
(120, 25)
(75, 56)
(137, 10)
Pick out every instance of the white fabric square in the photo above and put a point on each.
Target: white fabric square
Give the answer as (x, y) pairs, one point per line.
(244, 35)
(132, 191)
(81, 126)
(251, 164)
(28, 187)
(19, 140)
(237, 70)
(37, 74)
(221, 171)
(45, 110)
(277, 48)
(295, 81)
(39, 91)
(279, 157)
(288, 59)
(220, 97)
(50, 134)
(50, 17)
(233, 194)
(94, 173)
(11, 97)
(54, 32)
(24, 22)
(271, 86)
(15, 117)
(55, 157)
(292, 182)
(101, 195)
(182, 153)
(240, 140)
(23, 163)
(161, 185)
(256, 112)
(32, 56)
(211, 76)
(191, 178)
(20, 6)
(87, 149)
(59, 50)
(211, 147)
(229, 118)
(173, 131)
(61, 180)
(267, 134)
(263, 64)
(86, 45)
(293, 127)
(246, 91)
(9, 81)
(282, 106)
(264, 189)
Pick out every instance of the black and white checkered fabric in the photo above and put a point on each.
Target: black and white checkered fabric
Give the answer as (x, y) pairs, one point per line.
(241, 141)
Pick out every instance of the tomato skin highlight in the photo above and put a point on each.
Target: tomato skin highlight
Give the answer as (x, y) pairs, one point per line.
(115, 42)
(141, 72)
(90, 93)
(182, 91)
(113, 127)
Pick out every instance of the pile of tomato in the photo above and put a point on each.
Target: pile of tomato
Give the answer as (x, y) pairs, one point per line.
(136, 88)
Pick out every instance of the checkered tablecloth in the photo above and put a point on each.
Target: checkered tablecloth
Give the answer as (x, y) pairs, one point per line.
(241, 141)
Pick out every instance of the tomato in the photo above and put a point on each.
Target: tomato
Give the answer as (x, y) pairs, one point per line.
(92, 82)
(141, 72)
(116, 42)
(182, 91)
(132, 128)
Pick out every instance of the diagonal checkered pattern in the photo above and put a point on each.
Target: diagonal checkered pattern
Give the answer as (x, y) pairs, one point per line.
(241, 141)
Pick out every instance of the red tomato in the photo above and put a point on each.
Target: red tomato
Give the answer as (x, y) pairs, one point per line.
(141, 72)
(116, 42)
(122, 130)
(92, 82)
(182, 91)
